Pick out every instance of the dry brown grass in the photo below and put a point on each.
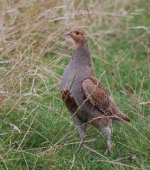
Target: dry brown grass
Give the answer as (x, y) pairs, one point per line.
(30, 29)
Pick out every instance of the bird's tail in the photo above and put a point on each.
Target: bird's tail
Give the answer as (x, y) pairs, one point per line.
(122, 116)
(118, 115)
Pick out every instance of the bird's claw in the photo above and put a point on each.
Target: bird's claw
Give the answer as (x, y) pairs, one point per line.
(80, 145)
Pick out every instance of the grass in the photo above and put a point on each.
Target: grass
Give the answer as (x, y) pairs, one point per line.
(36, 130)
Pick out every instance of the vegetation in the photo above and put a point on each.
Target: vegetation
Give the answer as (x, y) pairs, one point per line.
(36, 130)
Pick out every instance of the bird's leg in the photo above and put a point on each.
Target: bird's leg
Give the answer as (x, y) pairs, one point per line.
(107, 132)
(82, 133)
(81, 127)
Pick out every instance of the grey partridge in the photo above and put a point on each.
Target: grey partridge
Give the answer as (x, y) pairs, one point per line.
(84, 96)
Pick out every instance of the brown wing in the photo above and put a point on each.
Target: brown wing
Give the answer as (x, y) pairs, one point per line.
(96, 94)
(100, 100)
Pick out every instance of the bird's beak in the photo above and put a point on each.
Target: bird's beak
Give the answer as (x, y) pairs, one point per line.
(69, 34)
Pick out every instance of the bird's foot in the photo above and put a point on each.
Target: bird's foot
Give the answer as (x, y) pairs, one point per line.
(80, 144)
(109, 149)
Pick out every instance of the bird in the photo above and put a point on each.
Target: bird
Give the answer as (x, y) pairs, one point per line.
(84, 96)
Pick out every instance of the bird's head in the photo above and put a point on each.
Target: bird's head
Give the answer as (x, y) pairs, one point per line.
(77, 35)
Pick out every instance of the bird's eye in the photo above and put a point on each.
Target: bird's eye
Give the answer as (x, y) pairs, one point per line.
(77, 32)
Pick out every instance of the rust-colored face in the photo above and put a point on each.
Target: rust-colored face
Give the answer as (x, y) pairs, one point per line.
(77, 35)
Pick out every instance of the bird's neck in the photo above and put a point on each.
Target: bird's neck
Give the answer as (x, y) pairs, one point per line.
(81, 54)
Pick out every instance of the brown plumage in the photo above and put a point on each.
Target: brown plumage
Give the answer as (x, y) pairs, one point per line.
(100, 100)
(84, 96)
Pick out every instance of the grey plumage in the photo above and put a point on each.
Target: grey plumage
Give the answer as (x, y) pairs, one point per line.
(84, 96)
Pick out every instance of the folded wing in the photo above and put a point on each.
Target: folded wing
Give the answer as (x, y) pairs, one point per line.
(99, 99)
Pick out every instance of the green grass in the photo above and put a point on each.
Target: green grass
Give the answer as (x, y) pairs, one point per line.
(36, 130)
